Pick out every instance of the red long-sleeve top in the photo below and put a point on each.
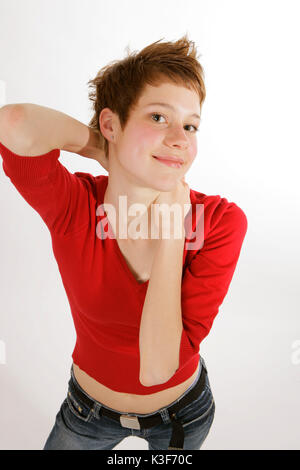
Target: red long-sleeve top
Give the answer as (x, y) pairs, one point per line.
(106, 300)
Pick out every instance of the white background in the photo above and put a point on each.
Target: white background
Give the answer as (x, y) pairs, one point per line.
(248, 152)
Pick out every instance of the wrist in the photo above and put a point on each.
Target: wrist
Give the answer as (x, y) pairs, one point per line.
(173, 231)
(93, 149)
(91, 143)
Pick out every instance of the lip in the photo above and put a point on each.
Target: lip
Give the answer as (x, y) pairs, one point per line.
(170, 163)
(169, 158)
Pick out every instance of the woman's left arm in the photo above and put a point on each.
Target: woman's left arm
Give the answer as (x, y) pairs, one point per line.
(161, 323)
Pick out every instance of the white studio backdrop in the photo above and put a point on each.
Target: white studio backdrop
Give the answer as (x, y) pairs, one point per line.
(248, 152)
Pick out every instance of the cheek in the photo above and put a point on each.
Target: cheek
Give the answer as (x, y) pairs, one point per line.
(146, 137)
(142, 143)
(193, 151)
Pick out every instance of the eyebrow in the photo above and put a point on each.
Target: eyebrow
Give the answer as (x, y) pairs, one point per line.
(171, 107)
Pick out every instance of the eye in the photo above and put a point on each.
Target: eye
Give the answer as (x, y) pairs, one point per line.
(196, 129)
(156, 114)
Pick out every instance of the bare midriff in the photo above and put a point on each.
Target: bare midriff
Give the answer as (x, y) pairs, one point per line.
(129, 402)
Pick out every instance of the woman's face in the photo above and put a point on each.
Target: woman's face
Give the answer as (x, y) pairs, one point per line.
(158, 130)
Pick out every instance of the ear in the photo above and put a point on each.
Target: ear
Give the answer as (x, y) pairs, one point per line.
(106, 124)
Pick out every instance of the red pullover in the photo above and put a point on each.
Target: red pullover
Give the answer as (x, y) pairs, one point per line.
(106, 300)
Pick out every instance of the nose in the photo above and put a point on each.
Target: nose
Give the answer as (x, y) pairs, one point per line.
(176, 137)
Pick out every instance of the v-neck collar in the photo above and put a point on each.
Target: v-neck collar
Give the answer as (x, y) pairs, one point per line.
(114, 241)
(144, 284)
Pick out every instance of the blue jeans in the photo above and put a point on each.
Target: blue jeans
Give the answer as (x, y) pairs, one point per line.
(79, 427)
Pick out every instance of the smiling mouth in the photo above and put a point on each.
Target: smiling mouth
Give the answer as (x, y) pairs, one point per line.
(170, 163)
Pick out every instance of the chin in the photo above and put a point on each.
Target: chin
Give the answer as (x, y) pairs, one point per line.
(159, 182)
(165, 185)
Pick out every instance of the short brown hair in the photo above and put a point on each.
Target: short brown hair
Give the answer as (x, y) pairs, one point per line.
(119, 85)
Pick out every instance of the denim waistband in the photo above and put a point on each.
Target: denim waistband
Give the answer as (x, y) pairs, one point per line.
(100, 405)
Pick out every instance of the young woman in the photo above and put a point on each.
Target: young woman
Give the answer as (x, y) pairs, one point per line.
(141, 303)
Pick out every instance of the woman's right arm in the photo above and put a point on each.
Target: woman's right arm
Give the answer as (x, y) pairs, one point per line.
(31, 139)
(30, 129)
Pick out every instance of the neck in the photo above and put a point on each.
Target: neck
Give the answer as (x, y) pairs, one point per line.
(121, 193)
